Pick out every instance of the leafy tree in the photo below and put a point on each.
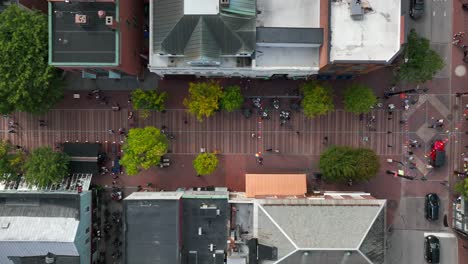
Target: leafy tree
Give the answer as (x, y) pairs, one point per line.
(359, 99)
(232, 98)
(148, 100)
(11, 161)
(143, 149)
(421, 62)
(341, 164)
(205, 163)
(461, 187)
(45, 167)
(203, 99)
(367, 164)
(27, 82)
(318, 99)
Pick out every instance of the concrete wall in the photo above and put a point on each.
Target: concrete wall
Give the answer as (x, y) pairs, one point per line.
(83, 247)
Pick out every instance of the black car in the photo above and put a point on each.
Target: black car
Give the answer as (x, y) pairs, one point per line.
(431, 249)
(431, 206)
(416, 9)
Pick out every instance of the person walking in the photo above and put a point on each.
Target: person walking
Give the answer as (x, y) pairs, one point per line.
(325, 141)
(42, 123)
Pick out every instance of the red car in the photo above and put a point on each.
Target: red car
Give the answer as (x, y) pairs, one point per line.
(437, 153)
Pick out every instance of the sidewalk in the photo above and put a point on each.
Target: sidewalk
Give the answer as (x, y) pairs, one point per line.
(459, 85)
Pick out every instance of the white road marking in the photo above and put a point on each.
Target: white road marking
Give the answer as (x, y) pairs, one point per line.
(449, 235)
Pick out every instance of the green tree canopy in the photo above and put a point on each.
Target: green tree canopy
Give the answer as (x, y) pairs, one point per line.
(27, 82)
(205, 163)
(461, 187)
(232, 98)
(359, 99)
(148, 100)
(45, 167)
(421, 62)
(318, 99)
(11, 161)
(203, 99)
(340, 164)
(143, 149)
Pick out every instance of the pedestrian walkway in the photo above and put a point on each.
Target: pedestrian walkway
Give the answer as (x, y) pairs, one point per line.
(230, 133)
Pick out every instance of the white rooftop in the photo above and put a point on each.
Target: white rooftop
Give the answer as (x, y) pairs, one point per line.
(45, 229)
(155, 196)
(290, 13)
(374, 38)
(201, 7)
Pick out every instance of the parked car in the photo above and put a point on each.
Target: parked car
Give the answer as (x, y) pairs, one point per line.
(416, 9)
(431, 249)
(431, 206)
(437, 154)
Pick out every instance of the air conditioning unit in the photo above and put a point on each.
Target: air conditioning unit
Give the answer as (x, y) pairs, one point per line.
(224, 3)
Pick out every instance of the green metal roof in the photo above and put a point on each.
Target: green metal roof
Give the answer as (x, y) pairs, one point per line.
(203, 37)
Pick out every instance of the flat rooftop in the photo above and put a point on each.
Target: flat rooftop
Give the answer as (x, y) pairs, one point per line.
(210, 217)
(298, 22)
(374, 38)
(79, 33)
(291, 13)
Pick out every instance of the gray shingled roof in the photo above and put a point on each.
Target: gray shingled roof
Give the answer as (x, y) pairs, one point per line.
(9, 249)
(41, 259)
(323, 231)
(270, 235)
(203, 37)
(373, 245)
(325, 224)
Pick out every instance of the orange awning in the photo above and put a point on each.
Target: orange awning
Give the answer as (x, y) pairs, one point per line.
(275, 184)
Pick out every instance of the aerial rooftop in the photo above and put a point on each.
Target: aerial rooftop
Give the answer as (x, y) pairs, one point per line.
(34, 224)
(83, 33)
(374, 37)
(288, 34)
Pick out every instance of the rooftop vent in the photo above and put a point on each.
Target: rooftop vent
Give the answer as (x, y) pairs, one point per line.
(357, 13)
(5, 225)
(109, 20)
(49, 258)
(81, 19)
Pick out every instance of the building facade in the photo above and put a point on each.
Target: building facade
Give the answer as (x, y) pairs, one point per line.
(272, 38)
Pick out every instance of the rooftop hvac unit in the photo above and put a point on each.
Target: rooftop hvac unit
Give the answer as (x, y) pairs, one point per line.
(357, 13)
(109, 20)
(224, 3)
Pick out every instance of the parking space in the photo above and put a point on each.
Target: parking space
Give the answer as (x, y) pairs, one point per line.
(411, 215)
(407, 246)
